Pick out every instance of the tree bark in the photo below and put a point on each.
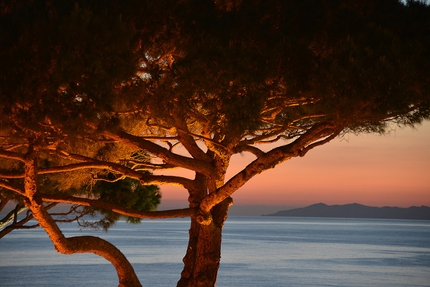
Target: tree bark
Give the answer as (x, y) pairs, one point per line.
(202, 260)
(79, 244)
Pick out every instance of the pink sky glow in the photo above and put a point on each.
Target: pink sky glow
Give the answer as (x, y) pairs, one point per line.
(388, 170)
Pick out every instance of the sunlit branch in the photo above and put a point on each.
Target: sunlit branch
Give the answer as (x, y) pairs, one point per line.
(267, 161)
(208, 140)
(84, 165)
(160, 138)
(174, 213)
(12, 188)
(276, 105)
(108, 180)
(138, 165)
(308, 117)
(187, 140)
(163, 57)
(11, 147)
(144, 178)
(270, 113)
(273, 135)
(164, 154)
(264, 139)
(197, 115)
(128, 112)
(159, 126)
(72, 245)
(321, 142)
(75, 166)
(11, 155)
(247, 148)
(10, 175)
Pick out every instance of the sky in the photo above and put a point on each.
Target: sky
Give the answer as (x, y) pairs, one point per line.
(370, 169)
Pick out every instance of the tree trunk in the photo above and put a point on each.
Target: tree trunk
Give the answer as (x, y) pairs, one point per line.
(80, 244)
(202, 260)
(86, 244)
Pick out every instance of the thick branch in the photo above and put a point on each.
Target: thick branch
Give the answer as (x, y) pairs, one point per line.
(174, 213)
(255, 151)
(11, 155)
(321, 142)
(94, 164)
(11, 187)
(267, 161)
(80, 244)
(142, 177)
(190, 145)
(164, 154)
(140, 165)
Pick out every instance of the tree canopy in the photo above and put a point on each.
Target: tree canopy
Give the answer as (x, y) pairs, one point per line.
(112, 94)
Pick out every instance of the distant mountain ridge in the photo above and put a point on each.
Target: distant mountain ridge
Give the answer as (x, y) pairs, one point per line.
(356, 210)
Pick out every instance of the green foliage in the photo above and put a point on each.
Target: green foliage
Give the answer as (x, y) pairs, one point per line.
(128, 193)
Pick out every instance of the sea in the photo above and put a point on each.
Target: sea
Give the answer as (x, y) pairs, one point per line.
(256, 252)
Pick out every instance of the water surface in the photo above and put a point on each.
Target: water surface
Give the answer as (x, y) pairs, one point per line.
(257, 251)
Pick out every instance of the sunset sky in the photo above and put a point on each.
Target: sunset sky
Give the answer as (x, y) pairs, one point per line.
(388, 170)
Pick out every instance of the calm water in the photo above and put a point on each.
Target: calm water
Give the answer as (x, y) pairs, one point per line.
(257, 251)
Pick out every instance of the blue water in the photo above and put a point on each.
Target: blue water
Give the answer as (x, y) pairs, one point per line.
(257, 251)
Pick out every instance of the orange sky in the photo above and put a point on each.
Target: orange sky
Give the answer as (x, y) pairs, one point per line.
(389, 170)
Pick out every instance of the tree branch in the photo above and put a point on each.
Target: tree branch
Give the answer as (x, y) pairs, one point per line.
(11, 216)
(187, 139)
(169, 157)
(142, 177)
(174, 213)
(79, 244)
(12, 188)
(264, 162)
(255, 151)
(321, 142)
(11, 155)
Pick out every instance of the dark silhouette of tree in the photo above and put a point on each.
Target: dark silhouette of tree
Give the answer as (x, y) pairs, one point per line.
(88, 87)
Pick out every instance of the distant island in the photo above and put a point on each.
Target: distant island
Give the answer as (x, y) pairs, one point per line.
(356, 210)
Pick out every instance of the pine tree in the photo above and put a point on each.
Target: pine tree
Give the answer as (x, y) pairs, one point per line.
(87, 88)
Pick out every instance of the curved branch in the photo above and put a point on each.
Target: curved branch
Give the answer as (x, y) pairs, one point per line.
(140, 165)
(321, 142)
(169, 157)
(80, 244)
(174, 213)
(269, 160)
(255, 151)
(12, 188)
(143, 178)
(10, 175)
(11, 155)
(187, 140)
(75, 166)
